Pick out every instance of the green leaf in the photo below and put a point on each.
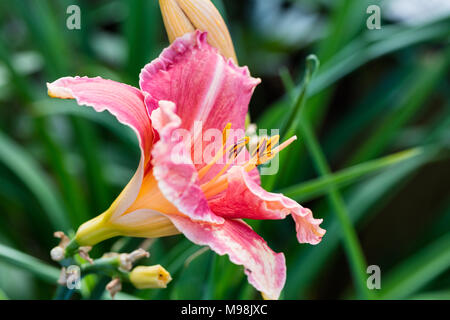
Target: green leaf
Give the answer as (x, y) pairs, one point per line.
(292, 118)
(22, 164)
(417, 271)
(175, 261)
(142, 30)
(438, 295)
(312, 189)
(192, 280)
(422, 84)
(76, 207)
(35, 266)
(3, 295)
(51, 42)
(361, 202)
(45, 34)
(54, 107)
(362, 50)
(351, 243)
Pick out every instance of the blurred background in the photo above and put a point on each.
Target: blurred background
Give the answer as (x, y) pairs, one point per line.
(372, 158)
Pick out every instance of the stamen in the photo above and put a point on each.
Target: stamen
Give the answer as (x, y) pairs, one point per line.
(284, 144)
(272, 142)
(225, 133)
(268, 153)
(261, 146)
(203, 171)
(238, 146)
(236, 149)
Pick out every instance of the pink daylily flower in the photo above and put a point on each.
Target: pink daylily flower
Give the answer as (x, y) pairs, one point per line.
(190, 82)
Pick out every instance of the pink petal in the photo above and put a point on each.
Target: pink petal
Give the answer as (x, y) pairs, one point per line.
(245, 199)
(178, 181)
(126, 103)
(204, 86)
(266, 270)
(254, 175)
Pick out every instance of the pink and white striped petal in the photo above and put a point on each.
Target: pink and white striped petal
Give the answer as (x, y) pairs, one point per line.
(245, 199)
(204, 86)
(126, 103)
(173, 168)
(265, 269)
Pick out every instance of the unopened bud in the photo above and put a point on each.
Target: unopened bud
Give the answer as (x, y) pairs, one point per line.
(150, 277)
(185, 16)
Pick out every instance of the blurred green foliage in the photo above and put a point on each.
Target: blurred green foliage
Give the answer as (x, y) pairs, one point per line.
(372, 158)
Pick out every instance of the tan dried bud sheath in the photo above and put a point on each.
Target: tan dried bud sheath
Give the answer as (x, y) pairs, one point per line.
(184, 16)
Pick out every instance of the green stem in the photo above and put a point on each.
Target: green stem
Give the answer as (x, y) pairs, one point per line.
(72, 248)
(103, 265)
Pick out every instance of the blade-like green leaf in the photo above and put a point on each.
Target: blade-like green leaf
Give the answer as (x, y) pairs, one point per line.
(3, 295)
(422, 84)
(142, 30)
(351, 242)
(292, 118)
(76, 208)
(53, 107)
(362, 50)
(417, 271)
(21, 163)
(438, 295)
(362, 201)
(48, 38)
(312, 189)
(29, 263)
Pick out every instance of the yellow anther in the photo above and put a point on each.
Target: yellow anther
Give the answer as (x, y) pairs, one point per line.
(268, 154)
(225, 133)
(261, 146)
(236, 149)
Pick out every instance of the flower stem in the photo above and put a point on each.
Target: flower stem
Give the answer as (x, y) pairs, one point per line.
(72, 248)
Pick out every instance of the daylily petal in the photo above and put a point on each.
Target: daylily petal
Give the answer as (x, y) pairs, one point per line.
(178, 181)
(126, 103)
(145, 223)
(204, 86)
(266, 270)
(254, 175)
(245, 199)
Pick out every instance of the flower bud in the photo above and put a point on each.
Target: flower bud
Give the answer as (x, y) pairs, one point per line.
(185, 16)
(150, 277)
